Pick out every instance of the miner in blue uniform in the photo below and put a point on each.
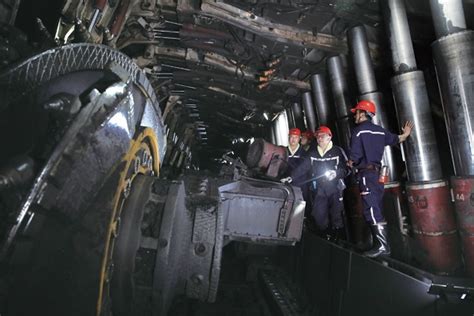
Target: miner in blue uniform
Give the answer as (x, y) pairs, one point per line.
(307, 140)
(367, 146)
(307, 143)
(296, 154)
(325, 168)
(328, 168)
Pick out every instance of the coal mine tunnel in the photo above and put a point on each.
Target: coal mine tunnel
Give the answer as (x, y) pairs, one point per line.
(222, 157)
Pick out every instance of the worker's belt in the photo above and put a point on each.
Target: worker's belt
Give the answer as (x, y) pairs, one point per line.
(370, 167)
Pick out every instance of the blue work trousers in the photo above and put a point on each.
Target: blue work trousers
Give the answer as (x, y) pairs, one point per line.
(328, 207)
(371, 191)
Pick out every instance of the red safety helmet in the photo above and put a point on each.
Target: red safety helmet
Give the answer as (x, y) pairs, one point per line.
(307, 134)
(323, 130)
(295, 131)
(364, 105)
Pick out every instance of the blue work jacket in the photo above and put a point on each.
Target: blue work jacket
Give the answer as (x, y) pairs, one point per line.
(368, 142)
(294, 160)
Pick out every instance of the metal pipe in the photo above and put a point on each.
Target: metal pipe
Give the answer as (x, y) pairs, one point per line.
(340, 94)
(320, 96)
(359, 50)
(390, 157)
(411, 99)
(412, 104)
(448, 17)
(291, 119)
(297, 115)
(95, 17)
(368, 89)
(403, 56)
(454, 62)
(309, 111)
(281, 129)
(265, 27)
(273, 138)
(222, 63)
(120, 16)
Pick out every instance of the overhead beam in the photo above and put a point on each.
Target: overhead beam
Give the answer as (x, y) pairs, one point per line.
(279, 32)
(222, 63)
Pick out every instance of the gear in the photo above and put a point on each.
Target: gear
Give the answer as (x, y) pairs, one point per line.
(141, 159)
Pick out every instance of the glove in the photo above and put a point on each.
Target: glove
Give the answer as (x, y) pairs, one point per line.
(330, 175)
(286, 180)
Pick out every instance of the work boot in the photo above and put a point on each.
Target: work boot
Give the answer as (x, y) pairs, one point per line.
(380, 247)
(310, 225)
(324, 233)
(338, 234)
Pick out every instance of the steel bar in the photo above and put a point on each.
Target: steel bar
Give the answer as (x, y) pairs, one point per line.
(309, 111)
(403, 56)
(448, 17)
(320, 96)
(412, 104)
(454, 61)
(359, 50)
(340, 92)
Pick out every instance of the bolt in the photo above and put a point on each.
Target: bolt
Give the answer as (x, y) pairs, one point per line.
(145, 158)
(127, 188)
(137, 162)
(162, 243)
(197, 279)
(109, 272)
(200, 249)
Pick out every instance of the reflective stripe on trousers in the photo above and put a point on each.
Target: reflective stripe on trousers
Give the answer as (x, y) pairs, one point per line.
(371, 191)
